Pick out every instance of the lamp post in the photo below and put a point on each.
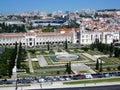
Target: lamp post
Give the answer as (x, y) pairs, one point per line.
(16, 79)
(15, 70)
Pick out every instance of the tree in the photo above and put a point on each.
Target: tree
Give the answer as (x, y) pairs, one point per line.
(12, 28)
(48, 46)
(7, 62)
(105, 48)
(66, 44)
(116, 52)
(58, 72)
(85, 48)
(97, 65)
(108, 68)
(19, 59)
(92, 46)
(118, 68)
(68, 68)
(100, 66)
(12, 60)
(111, 50)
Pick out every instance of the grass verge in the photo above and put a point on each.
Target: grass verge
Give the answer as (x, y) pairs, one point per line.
(48, 60)
(35, 65)
(94, 81)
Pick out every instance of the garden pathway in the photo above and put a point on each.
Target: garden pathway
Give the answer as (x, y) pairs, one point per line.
(41, 60)
(81, 67)
(30, 63)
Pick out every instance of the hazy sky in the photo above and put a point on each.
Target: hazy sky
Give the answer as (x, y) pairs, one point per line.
(16, 6)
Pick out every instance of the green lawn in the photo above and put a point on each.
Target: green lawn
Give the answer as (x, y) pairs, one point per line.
(53, 67)
(25, 66)
(94, 81)
(94, 52)
(44, 52)
(48, 60)
(74, 51)
(32, 55)
(85, 58)
(108, 61)
(35, 65)
(53, 73)
(116, 60)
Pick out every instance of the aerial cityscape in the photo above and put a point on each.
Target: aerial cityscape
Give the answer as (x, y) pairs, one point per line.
(54, 45)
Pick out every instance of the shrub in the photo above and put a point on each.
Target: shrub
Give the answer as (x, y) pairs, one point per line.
(118, 68)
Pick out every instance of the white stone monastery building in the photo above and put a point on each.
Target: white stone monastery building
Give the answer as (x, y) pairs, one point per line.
(33, 39)
(82, 36)
(87, 37)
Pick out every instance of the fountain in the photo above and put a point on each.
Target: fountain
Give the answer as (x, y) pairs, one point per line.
(69, 57)
(64, 57)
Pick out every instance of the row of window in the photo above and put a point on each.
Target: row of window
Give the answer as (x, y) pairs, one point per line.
(51, 42)
(9, 44)
(88, 36)
(38, 43)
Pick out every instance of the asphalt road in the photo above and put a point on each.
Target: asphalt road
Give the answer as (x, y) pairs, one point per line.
(110, 87)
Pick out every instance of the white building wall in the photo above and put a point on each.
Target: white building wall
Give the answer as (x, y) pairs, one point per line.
(87, 38)
(33, 39)
(30, 40)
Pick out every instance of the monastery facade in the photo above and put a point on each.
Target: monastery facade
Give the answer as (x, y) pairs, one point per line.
(81, 36)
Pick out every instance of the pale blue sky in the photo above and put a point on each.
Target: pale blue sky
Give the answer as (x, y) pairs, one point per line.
(16, 6)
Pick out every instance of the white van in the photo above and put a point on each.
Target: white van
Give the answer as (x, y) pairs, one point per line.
(88, 76)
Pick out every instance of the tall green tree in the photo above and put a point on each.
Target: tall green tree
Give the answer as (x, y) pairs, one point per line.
(7, 62)
(111, 50)
(100, 66)
(116, 52)
(118, 68)
(19, 59)
(97, 65)
(66, 44)
(48, 46)
(92, 46)
(85, 48)
(12, 59)
(68, 68)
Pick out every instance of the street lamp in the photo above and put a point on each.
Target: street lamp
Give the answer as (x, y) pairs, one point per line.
(14, 71)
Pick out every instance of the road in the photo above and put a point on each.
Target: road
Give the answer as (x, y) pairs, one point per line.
(111, 87)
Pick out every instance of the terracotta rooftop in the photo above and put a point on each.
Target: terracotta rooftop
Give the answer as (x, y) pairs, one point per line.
(11, 35)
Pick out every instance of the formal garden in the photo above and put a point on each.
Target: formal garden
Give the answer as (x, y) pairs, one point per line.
(57, 62)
